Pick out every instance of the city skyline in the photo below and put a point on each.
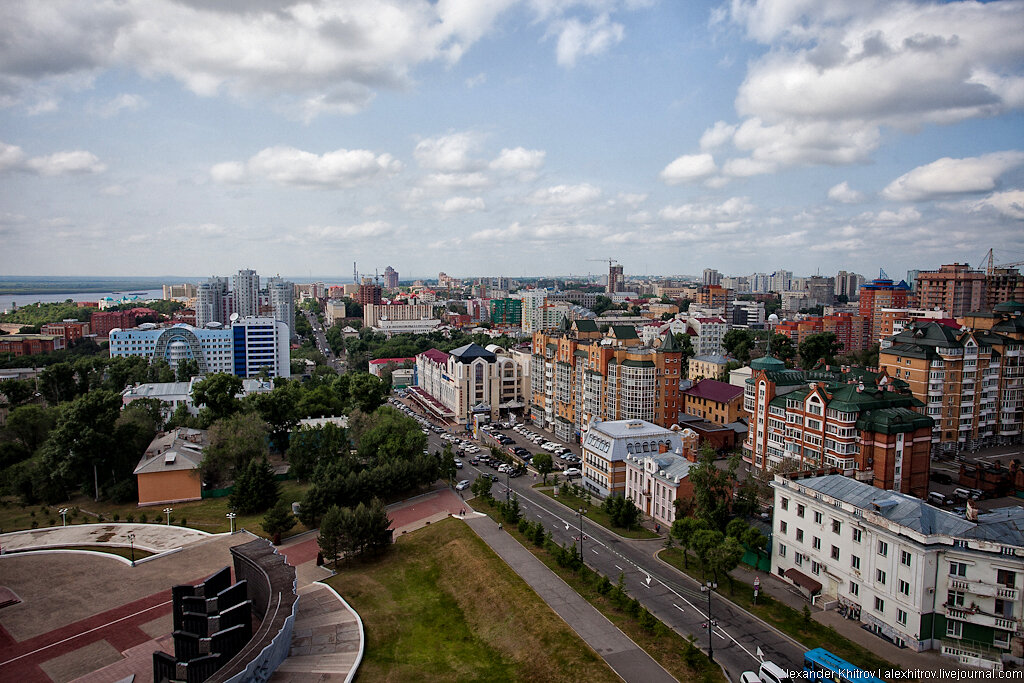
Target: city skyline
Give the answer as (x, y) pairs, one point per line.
(516, 138)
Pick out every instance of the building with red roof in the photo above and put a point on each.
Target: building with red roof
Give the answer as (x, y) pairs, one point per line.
(714, 401)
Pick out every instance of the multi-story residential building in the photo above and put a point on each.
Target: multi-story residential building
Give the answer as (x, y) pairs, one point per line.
(851, 330)
(748, 314)
(605, 446)
(879, 294)
(708, 331)
(712, 277)
(245, 286)
(714, 401)
(538, 312)
(971, 380)
(1003, 285)
(848, 284)
(616, 281)
(779, 281)
(334, 310)
(860, 423)
(921, 577)
(711, 366)
(71, 330)
(246, 348)
(895, 320)
(374, 313)
(716, 297)
(186, 290)
(368, 293)
(212, 302)
(469, 381)
(655, 480)
(30, 344)
(578, 375)
(102, 322)
(281, 298)
(390, 278)
(955, 287)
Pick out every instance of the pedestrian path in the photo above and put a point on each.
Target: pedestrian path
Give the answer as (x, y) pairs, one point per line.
(327, 643)
(624, 656)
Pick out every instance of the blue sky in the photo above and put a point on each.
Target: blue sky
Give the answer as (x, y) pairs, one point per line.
(508, 137)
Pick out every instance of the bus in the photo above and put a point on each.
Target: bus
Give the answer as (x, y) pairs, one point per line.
(822, 665)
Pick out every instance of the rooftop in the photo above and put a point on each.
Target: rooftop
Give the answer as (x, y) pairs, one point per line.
(713, 390)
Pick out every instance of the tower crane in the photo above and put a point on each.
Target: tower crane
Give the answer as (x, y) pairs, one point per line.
(991, 267)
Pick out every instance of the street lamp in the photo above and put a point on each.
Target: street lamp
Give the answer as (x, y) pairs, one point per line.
(131, 539)
(64, 515)
(581, 512)
(231, 518)
(708, 588)
(508, 489)
(168, 511)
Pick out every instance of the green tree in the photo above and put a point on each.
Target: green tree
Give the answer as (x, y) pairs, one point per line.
(393, 436)
(482, 487)
(622, 511)
(782, 348)
(81, 441)
(57, 383)
(255, 488)
(712, 488)
(722, 558)
(331, 531)
(233, 443)
(704, 541)
(364, 528)
(684, 530)
(278, 520)
(186, 370)
(738, 343)
(217, 394)
(544, 464)
(311, 446)
(448, 469)
(278, 410)
(30, 425)
(17, 391)
(816, 347)
(366, 392)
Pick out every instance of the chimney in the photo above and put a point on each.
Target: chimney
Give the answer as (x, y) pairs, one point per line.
(972, 511)
(662, 448)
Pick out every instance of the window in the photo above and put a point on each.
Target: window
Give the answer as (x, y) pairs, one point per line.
(798, 559)
(904, 558)
(959, 544)
(782, 526)
(957, 569)
(815, 568)
(883, 548)
(904, 587)
(816, 543)
(858, 535)
(800, 510)
(782, 550)
(880, 576)
(817, 518)
(954, 629)
(836, 526)
(784, 503)
(901, 617)
(955, 598)
(854, 561)
(854, 588)
(835, 552)
(879, 604)
(1006, 578)
(800, 535)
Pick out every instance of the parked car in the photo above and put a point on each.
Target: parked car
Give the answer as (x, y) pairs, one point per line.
(941, 478)
(573, 472)
(458, 464)
(474, 461)
(462, 485)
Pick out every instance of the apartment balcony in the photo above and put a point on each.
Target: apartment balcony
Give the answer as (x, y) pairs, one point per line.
(986, 590)
(973, 616)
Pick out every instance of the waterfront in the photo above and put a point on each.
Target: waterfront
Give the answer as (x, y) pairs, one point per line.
(20, 300)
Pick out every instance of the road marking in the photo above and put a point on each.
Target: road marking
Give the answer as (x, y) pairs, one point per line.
(619, 568)
(593, 551)
(678, 608)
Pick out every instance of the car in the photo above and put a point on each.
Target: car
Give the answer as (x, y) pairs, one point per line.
(462, 485)
(474, 461)
(941, 478)
(520, 451)
(573, 472)
(749, 677)
(488, 475)
(458, 464)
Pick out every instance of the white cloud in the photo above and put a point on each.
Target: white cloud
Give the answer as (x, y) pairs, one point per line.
(815, 142)
(1009, 204)
(11, 157)
(456, 180)
(114, 190)
(946, 177)
(349, 232)
(519, 159)
(689, 168)
(890, 219)
(204, 230)
(541, 232)
(294, 167)
(744, 167)
(449, 152)
(717, 135)
(461, 205)
(632, 199)
(565, 194)
(731, 209)
(844, 194)
(474, 81)
(577, 39)
(116, 105)
(73, 162)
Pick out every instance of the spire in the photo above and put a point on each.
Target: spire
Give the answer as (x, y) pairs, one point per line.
(670, 344)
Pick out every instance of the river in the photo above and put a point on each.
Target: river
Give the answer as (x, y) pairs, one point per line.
(19, 300)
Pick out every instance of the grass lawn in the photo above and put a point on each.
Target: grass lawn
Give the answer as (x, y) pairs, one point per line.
(205, 515)
(110, 550)
(441, 606)
(785, 618)
(595, 514)
(674, 652)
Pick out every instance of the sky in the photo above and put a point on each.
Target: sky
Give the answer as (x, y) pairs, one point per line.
(509, 137)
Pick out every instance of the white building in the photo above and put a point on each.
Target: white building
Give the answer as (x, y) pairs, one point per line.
(334, 310)
(917, 575)
(471, 380)
(606, 445)
(392, 327)
(538, 313)
(710, 331)
(247, 347)
(281, 297)
(654, 481)
(174, 394)
(375, 313)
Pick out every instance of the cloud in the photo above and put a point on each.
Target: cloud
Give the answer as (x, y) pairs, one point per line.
(946, 177)
(474, 81)
(365, 230)
(800, 143)
(731, 209)
(293, 167)
(744, 167)
(1009, 204)
(74, 162)
(577, 39)
(461, 205)
(541, 232)
(844, 194)
(519, 159)
(456, 180)
(565, 194)
(116, 105)
(448, 152)
(717, 135)
(689, 168)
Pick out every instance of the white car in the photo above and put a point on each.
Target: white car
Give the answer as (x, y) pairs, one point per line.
(458, 464)
(573, 472)
(549, 446)
(462, 485)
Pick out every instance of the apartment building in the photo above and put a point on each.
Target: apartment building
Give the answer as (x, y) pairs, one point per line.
(247, 348)
(714, 401)
(579, 375)
(955, 287)
(921, 577)
(971, 380)
(507, 312)
(374, 313)
(334, 311)
(216, 302)
(606, 445)
(102, 322)
(855, 421)
(708, 333)
(390, 278)
(851, 331)
(878, 294)
(655, 480)
(716, 297)
(71, 330)
(469, 381)
(895, 320)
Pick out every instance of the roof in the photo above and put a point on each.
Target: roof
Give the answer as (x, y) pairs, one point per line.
(713, 390)
(470, 352)
(630, 428)
(669, 343)
(385, 361)
(767, 363)
(623, 332)
(181, 449)
(716, 358)
(585, 325)
(439, 357)
(802, 580)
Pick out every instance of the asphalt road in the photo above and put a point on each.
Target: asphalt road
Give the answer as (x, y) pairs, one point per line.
(675, 599)
(320, 338)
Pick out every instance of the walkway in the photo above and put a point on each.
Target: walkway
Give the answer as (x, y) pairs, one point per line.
(327, 642)
(624, 656)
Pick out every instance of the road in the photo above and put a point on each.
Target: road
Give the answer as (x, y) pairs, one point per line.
(673, 597)
(320, 338)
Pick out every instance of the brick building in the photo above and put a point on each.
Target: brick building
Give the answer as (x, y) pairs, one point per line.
(879, 294)
(71, 330)
(955, 287)
(714, 401)
(30, 344)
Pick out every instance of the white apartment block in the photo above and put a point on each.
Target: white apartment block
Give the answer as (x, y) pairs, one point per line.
(334, 310)
(375, 313)
(655, 480)
(471, 380)
(607, 445)
(916, 575)
(709, 334)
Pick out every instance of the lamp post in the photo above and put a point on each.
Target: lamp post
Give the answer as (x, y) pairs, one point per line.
(508, 489)
(231, 518)
(64, 515)
(131, 539)
(168, 511)
(581, 512)
(708, 588)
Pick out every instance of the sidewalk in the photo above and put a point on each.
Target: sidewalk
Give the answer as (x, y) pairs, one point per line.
(624, 656)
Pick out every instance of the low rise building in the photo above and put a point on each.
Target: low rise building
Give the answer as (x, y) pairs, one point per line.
(169, 469)
(655, 481)
(72, 330)
(175, 394)
(606, 446)
(30, 344)
(714, 401)
(710, 366)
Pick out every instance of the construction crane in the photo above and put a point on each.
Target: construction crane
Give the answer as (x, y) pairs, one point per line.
(991, 267)
(609, 260)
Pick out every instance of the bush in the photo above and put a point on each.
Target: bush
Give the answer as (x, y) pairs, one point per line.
(130, 519)
(184, 522)
(117, 516)
(647, 620)
(143, 518)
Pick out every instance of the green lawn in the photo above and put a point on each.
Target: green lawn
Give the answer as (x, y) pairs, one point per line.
(441, 606)
(126, 553)
(785, 618)
(595, 514)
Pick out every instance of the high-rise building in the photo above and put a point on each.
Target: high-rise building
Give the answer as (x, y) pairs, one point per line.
(712, 277)
(390, 278)
(616, 281)
(716, 297)
(281, 295)
(211, 301)
(848, 284)
(955, 287)
(245, 287)
(507, 312)
(368, 293)
(1002, 285)
(471, 380)
(879, 294)
(780, 281)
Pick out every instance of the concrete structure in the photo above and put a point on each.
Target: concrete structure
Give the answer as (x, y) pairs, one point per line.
(508, 311)
(606, 445)
(654, 481)
(245, 287)
(469, 381)
(714, 401)
(879, 294)
(851, 331)
(848, 284)
(175, 394)
(616, 281)
(716, 297)
(373, 314)
(245, 349)
(169, 469)
(861, 423)
(921, 577)
(710, 366)
(955, 287)
(392, 327)
(390, 278)
(709, 331)
(281, 299)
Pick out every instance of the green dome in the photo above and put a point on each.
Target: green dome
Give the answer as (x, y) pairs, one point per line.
(767, 363)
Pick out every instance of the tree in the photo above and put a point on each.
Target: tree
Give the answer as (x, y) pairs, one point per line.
(187, 369)
(393, 436)
(723, 557)
(29, 425)
(448, 469)
(331, 530)
(17, 392)
(543, 463)
(817, 347)
(781, 346)
(217, 394)
(365, 528)
(255, 488)
(703, 542)
(684, 530)
(712, 488)
(366, 392)
(686, 346)
(311, 446)
(622, 511)
(233, 443)
(278, 520)
(482, 487)
(601, 304)
(737, 343)
(57, 383)
(278, 410)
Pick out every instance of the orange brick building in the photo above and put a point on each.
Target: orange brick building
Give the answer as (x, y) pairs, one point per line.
(879, 294)
(169, 469)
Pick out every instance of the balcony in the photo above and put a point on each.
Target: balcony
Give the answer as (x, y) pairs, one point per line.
(988, 590)
(973, 616)
(1006, 593)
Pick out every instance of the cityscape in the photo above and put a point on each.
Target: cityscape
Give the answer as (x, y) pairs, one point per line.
(617, 340)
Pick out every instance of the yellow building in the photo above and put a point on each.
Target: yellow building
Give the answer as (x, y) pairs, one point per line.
(169, 469)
